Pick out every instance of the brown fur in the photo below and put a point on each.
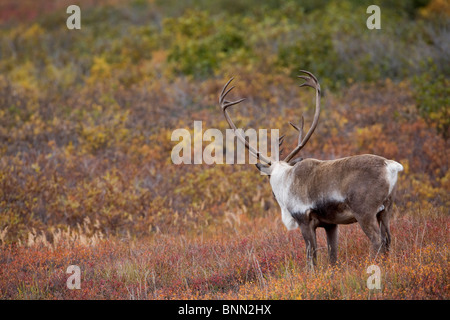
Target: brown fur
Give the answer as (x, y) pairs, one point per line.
(361, 182)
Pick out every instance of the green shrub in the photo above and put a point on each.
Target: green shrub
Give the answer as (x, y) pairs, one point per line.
(433, 101)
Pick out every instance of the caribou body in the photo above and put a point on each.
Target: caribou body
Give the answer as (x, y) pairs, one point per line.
(325, 193)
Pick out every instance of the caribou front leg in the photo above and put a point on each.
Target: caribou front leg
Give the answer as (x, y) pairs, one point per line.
(308, 227)
(332, 240)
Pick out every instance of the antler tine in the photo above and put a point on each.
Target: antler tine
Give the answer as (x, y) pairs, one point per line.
(310, 81)
(294, 126)
(281, 140)
(300, 136)
(310, 74)
(300, 130)
(224, 104)
(232, 103)
(222, 95)
(228, 91)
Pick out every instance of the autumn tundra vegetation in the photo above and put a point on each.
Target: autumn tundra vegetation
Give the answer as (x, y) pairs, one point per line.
(86, 118)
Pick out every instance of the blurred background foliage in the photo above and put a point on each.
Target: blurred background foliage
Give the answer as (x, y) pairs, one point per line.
(86, 115)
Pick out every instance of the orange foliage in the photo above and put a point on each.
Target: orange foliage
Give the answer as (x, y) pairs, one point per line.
(86, 176)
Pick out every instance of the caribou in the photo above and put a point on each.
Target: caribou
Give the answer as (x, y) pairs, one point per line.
(316, 193)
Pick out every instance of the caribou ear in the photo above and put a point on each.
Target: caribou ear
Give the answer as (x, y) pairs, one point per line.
(265, 169)
(294, 161)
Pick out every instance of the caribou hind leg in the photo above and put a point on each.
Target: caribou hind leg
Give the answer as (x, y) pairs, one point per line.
(384, 217)
(369, 224)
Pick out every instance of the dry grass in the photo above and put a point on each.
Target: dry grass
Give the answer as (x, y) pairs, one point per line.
(249, 263)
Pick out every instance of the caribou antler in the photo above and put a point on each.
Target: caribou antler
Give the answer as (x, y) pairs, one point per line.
(310, 81)
(224, 105)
